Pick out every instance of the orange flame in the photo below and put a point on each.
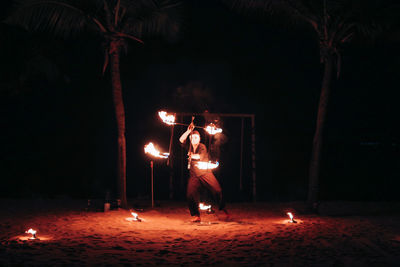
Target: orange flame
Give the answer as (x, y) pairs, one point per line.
(206, 165)
(212, 129)
(32, 232)
(204, 207)
(136, 217)
(167, 118)
(150, 149)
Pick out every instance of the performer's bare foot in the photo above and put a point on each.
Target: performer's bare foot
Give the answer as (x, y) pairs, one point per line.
(195, 219)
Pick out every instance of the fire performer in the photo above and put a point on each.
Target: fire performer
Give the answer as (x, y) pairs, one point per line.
(200, 178)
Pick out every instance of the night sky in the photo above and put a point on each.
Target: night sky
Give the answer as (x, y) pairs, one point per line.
(58, 133)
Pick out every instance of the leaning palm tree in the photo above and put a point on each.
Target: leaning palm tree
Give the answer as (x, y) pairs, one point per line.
(335, 22)
(117, 22)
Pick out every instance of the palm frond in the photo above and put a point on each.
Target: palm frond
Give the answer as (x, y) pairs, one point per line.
(366, 17)
(285, 13)
(152, 17)
(59, 17)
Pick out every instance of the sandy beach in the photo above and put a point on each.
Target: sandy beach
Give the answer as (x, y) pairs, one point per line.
(258, 234)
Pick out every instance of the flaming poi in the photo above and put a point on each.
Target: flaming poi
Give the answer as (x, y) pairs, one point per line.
(204, 207)
(167, 118)
(206, 165)
(150, 149)
(212, 129)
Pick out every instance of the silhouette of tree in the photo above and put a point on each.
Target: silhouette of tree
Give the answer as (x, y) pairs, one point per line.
(335, 23)
(116, 22)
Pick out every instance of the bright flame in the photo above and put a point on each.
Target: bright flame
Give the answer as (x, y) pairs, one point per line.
(290, 216)
(212, 129)
(167, 118)
(204, 207)
(150, 149)
(206, 165)
(32, 232)
(135, 217)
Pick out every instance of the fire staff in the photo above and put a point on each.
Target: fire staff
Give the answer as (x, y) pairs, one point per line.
(200, 178)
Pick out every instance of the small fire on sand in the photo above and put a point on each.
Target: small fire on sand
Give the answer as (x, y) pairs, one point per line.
(292, 220)
(32, 232)
(134, 218)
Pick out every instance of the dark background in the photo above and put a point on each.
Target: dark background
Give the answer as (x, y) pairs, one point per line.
(58, 135)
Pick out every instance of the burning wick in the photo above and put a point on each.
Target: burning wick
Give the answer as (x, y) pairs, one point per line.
(150, 149)
(136, 217)
(292, 220)
(32, 232)
(212, 129)
(167, 118)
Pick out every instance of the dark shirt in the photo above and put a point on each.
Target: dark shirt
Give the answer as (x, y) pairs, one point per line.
(202, 151)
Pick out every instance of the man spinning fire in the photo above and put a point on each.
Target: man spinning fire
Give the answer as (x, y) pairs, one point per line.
(200, 178)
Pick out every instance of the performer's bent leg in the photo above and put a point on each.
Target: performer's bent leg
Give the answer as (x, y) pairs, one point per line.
(213, 185)
(192, 195)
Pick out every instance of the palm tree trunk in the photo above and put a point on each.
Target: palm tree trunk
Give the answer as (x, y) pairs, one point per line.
(120, 117)
(315, 161)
